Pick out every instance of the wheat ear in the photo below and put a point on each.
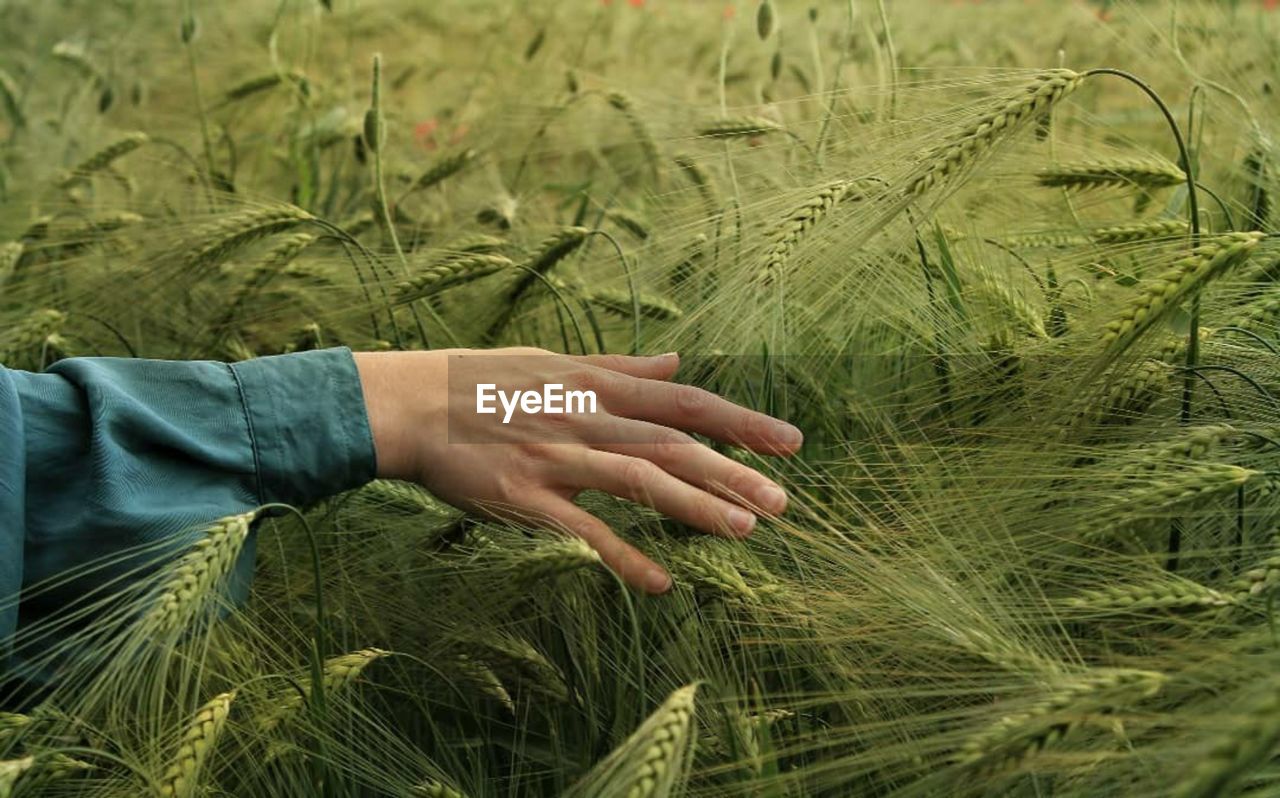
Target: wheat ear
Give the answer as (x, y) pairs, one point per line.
(1110, 235)
(651, 762)
(1161, 493)
(553, 249)
(182, 778)
(618, 302)
(12, 724)
(402, 497)
(708, 568)
(1261, 580)
(1193, 444)
(625, 105)
(1249, 744)
(1140, 231)
(553, 559)
(1044, 239)
(1020, 735)
(1003, 652)
(483, 677)
(10, 254)
(1162, 594)
(962, 149)
(339, 673)
(443, 169)
(29, 334)
(787, 235)
(1130, 396)
(701, 180)
(1012, 304)
(50, 768)
(261, 83)
(434, 789)
(196, 575)
(103, 158)
(220, 239)
(280, 256)
(1143, 173)
(74, 56)
(450, 273)
(739, 127)
(11, 770)
(1260, 314)
(1159, 296)
(629, 221)
(517, 657)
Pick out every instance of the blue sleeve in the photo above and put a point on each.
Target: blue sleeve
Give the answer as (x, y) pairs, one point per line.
(103, 456)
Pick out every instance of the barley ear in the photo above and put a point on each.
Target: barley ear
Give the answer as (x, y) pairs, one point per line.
(18, 342)
(194, 578)
(958, 152)
(1158, 297)
(434, 789)
(653, 762)
(625, 105)
(10, 254)
(103, 158)
(1143, 173)
(739, 127)
(791, 231)
(11, 770)
(183, 775)
(618, 302)
(450, 273)
(219, 240)
(1239, 751)
(552, 251)
(338, 674)
(1047, 719)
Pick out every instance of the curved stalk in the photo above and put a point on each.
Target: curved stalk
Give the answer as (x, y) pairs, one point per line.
(631, 287)
(1193, 333)
(582, 341)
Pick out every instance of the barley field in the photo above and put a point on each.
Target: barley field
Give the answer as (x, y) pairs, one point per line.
(1007, 263)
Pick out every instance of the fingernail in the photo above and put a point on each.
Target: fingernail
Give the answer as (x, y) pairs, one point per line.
(741, 520)
(657, 582)
(771, 499)
(666, 356)
(789, 435)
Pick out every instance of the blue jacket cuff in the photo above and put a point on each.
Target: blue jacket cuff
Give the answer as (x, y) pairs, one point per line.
(308, 423)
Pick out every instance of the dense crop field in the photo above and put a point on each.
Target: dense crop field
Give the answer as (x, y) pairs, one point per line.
(1006, 263)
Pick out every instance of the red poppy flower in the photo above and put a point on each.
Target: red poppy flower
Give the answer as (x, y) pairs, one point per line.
(424, 133)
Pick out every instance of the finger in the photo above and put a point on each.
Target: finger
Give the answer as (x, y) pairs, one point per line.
(695, 410)
(619, 556)
(655, 367)
(685, 458)
(644, 482)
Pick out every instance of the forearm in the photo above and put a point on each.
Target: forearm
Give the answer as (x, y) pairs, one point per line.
(123, 461)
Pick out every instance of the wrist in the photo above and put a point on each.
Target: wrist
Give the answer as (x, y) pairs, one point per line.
(377, 371)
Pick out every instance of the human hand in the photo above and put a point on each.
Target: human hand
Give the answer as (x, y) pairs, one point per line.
(533, 469)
